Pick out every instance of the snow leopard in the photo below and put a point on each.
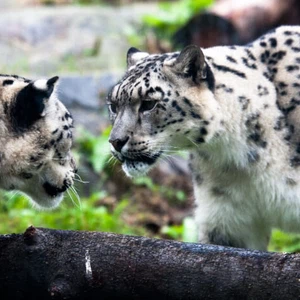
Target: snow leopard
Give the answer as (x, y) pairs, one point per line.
(236, 110)
(36, 137)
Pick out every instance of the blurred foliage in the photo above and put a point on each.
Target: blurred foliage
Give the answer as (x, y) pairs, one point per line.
(185, 232)
(284, 242)
(174, 195)
(14, 67)
(16, 215)
(157, 30)
(173, 15)
(95, 148)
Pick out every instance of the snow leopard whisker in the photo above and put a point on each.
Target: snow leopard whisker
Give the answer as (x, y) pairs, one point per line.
(78, 203)
(14, 193)
(79, 179)
(166, 159)
(112, 161)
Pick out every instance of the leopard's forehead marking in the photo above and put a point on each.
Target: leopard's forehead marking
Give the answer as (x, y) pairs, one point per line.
(4, 77)
(10, 85)
(136, 82)
(13, 81)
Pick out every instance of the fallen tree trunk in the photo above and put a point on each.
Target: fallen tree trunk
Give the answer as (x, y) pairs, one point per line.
(54, 264)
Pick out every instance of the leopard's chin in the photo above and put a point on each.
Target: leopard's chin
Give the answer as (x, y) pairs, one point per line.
(47, 203)
(140, 166)
(135, 168)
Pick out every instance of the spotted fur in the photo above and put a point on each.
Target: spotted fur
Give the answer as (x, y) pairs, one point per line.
(237, 110)
(35, 137)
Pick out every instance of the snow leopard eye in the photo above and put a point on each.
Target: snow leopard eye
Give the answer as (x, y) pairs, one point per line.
(148, 105)
(113, 108)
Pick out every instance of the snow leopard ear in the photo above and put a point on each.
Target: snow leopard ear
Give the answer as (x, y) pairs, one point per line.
(43, 87)
(29, 105)
(134, 55)
(190, 63)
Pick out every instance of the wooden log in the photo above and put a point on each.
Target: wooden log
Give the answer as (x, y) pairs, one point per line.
(54, 264)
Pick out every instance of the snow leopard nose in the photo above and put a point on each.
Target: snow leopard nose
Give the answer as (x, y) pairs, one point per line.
(118, 144)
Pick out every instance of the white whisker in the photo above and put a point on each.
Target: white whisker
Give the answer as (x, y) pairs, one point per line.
(81, 181)
(73, 188)
(14, 193)
(78, 179)
(76, 195)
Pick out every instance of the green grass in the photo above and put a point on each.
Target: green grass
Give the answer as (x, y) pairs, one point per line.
(16, 215)
(284, 242)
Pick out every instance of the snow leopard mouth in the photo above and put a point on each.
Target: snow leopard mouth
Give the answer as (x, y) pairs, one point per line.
(140, 158)
(138, 165)
(146, 159)
(52, 190)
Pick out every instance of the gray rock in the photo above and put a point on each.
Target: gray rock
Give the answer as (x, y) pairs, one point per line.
(85, 98)
(69, 39)
(86, 91)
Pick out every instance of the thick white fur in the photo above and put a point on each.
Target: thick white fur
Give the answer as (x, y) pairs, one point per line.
(257, 197)
(242, 189)
(41, 84)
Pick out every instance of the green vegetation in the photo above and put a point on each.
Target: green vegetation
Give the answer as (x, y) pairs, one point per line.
(95, 148)
(16, 215)
(173, 15)
(284, 242)
(172, 194)
(185, 232)
(159, 29)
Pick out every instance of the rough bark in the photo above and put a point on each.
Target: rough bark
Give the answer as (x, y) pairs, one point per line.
(53, 264)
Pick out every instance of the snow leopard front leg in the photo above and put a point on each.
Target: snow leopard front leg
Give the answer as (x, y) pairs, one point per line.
(225, 213)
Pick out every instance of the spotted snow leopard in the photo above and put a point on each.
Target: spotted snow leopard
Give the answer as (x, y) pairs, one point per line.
(36, 137)
(237, 110)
